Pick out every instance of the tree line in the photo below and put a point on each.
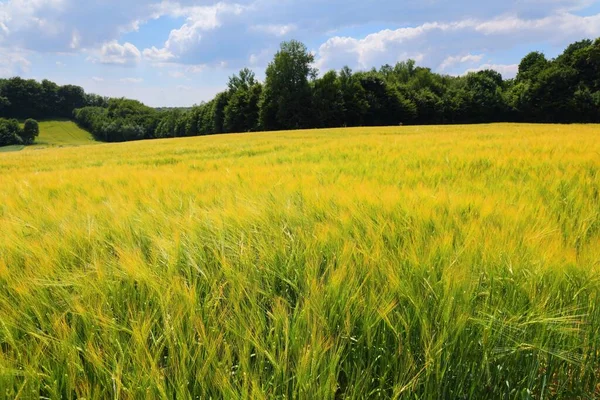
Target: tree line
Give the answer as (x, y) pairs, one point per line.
(22, 99)
(561, 90)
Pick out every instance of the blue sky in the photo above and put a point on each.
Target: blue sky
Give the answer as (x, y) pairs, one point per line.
(179, 53)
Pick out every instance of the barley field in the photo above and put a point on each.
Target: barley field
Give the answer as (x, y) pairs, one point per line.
(451, 262)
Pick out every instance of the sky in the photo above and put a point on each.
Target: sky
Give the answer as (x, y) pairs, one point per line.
(180, 53)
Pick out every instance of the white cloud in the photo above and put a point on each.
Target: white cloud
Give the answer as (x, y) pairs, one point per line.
(435, 41)
(199, 19)
(453, 60)
(115, 53)
(75, 39)
(210, 38)
(275, 30)
(158, 55)
(506, 70)
(562, 24)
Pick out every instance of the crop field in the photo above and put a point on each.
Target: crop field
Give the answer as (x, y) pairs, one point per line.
(405, 262)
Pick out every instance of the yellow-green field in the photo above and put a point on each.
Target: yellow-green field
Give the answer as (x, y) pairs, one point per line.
(407, 262)
(62, 133)
(57, 133)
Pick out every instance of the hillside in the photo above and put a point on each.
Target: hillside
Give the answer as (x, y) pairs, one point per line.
(404, 262)
(56, 133)
(61, 133)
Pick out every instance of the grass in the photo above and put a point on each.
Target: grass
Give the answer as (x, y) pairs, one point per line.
(56, 133)
(6, 149)
(405, 262)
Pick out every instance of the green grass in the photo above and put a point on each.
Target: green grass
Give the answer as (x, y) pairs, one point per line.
(60, 133)
(56, 133)
(457, 262)
(6, 149)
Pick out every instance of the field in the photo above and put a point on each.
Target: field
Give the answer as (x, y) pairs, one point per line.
(56, 133)
(406, 262)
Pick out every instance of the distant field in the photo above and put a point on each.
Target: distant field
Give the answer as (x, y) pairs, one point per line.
(57, 134)
(62, 133)
(407, 262)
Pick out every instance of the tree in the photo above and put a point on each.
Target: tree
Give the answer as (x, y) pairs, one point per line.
(218, 112)
(484, 95)
(531, 66)
(49, 100)
(386, 105)
(241, 114)
(24, 98)
(243, 81)
(71, 97)
(552, 95)
(31, 130)
(354, 97)
(586, 61)
(286, 101)
(328, 101)
(10, 132)
(429, 105)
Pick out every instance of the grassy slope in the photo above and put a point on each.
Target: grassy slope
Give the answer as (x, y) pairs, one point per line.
(62, 133)
(56, 133)
(417, 262)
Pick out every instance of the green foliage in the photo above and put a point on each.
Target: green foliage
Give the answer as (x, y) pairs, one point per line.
(29, 98)
(484, 96)
(241, 114)
(287, 100)
(354, 97)
(121, 121)
(562, 90)
(387, 106)
(31, 130)
(10, 132)
(328, 101)
(531, 65)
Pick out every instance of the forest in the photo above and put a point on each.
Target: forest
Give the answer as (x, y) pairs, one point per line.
(294, 95)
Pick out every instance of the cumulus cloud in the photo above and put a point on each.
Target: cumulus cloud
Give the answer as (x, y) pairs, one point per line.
(454, 60)
(158, 55)
(199, 38)
(198, 20)
(506, 70)
(432, 42)
(274, 29)
(68, 25)
(119, 54)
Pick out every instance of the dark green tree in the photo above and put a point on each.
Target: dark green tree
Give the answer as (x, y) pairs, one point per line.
(241, 113)
(531, 66)
(328, 101)
(31, 130)
(10, 132)
(354, 97)
(286, 101)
